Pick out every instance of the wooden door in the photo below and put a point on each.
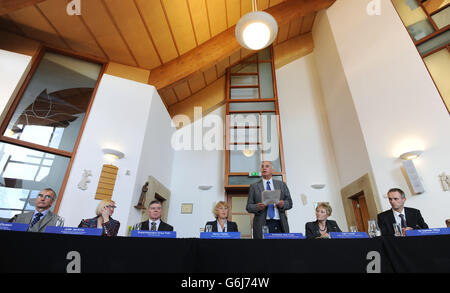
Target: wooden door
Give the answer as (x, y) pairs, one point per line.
(361, 211)
(238, 213)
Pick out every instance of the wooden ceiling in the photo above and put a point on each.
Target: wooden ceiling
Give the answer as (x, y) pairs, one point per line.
(149, 34)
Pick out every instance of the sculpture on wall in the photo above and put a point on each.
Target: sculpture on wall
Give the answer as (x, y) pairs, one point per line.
(140, 205)
(445, 181)
(84, 179)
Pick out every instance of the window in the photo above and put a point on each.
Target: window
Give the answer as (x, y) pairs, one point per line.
(41, 130)
(428, 23)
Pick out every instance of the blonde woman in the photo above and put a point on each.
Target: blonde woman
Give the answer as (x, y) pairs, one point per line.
(322, 226)
(103, 220)
(221, 224)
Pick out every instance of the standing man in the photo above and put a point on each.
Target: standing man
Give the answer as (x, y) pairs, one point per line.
(154, 222)
(42, 216)
(408, 218)
(273, 216)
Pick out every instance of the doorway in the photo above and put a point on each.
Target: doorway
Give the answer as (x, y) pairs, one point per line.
(237, 201)
(360, 211)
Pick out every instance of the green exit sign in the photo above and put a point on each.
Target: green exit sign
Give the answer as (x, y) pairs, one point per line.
(254, 174)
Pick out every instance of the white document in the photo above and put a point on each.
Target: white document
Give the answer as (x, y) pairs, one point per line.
(271, 196)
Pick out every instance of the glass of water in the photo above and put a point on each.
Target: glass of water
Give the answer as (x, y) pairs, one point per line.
(397, 230)
(353, 229)
(60, 222)
(265, 230)
(208, 228)
(138, 226)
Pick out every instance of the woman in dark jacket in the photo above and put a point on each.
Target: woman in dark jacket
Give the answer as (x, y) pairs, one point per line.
(321, 227)
(104, 211)
(221, 224)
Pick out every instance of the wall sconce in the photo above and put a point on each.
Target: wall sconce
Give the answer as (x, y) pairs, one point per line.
(411, 172)
(318, 186)
(257, 29)
(111, 155)
(204, 187)
(411, 155)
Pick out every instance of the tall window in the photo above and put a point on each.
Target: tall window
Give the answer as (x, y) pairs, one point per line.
(41, 130)
(428, 23)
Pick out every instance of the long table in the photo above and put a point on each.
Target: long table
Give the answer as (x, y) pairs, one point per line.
(41, 252)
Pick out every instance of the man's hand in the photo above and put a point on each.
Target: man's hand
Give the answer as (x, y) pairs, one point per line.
(280, 204)
(406, 229)
(261, 206)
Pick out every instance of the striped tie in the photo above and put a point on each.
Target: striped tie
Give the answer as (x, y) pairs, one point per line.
(36, 219)
(153, 226)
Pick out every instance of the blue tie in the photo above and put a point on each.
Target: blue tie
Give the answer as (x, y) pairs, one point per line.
(36, 219)
(271, 210)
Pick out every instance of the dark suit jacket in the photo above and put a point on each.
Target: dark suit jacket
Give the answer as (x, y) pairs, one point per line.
(312, 229)
(110, 228)
(231, 226)
(254, 197)
(413, 219)
(162, 226)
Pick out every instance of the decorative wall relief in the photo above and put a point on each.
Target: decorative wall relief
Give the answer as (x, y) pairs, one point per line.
(85, 179)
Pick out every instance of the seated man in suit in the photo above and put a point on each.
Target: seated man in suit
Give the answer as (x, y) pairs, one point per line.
(408, 218)
(274, 215)
(42, 216)
(221, 224)
(154, 222)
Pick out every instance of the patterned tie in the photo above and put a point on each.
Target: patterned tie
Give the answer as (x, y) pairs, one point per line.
(402, 217)
(36, 219)
(153, 226)
(271, 210)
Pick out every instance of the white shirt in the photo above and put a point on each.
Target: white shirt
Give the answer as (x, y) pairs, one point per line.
(219, 228)
(277, 213)
(150, 224)
(397, 218)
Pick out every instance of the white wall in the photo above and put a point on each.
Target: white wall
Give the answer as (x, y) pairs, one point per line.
(156, 158)
(397, 104)
(118, 119)
(14, 68)
(308, 149)
(192, 168)
(348, 141)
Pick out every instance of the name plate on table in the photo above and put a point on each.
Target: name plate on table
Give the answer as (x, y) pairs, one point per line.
(344, 235)
(14, 227)
(73, 231)
(220, 235)
(283, 236)
(428, 232)
(153, 234)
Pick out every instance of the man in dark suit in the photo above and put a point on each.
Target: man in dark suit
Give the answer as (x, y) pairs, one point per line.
(408, 218)
(273, 216)
(41, 217)
(154, 222)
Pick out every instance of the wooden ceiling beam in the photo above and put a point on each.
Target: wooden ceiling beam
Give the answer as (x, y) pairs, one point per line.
(225, 44)
(7, 6)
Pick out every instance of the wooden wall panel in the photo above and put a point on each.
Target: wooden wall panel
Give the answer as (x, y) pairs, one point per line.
(263, 4)
(308, 23)
(177, 12)
(283, 32)
(275, 2)
(293, 49)
(294, 29)
(35, 26)
(222, 67)
(210, 75)
(14, 43)
(130, 24)
(246, 7)
(217, 16)
(71, 28)
(101, 25)
(233, 11)
(156, 23)
(182, 90)
(200, 20)
(168, 95)
(197, 82)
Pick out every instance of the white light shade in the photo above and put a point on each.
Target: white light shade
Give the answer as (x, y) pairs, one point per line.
(411, 155)
(112, 155)
(256, 30)
(248, 153)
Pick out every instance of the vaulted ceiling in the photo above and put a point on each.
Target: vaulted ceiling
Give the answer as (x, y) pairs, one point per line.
(186, 45)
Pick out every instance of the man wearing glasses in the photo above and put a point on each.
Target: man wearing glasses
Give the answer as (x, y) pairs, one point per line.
(41, 217)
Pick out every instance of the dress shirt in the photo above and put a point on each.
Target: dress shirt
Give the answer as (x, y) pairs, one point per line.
(150, 224)
(277, 213)
(44, 213)
(219, 228)
(397, 218)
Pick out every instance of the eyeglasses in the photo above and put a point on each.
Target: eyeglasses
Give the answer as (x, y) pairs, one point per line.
(40, 195)
(111, 207)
